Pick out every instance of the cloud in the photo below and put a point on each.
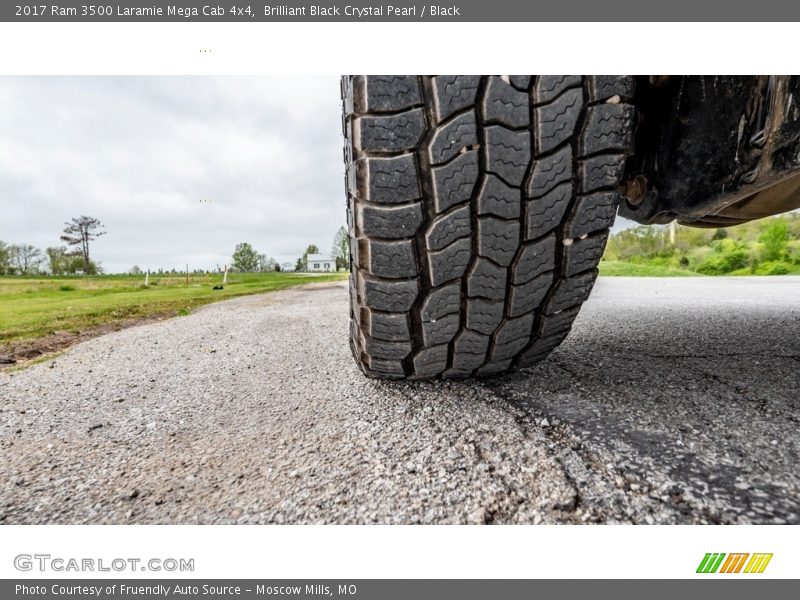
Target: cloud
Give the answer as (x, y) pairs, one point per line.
(140, 153)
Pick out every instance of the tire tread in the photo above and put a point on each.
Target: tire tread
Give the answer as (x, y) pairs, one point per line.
(479, 208)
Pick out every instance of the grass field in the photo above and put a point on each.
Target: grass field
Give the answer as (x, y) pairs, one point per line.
(37, 307)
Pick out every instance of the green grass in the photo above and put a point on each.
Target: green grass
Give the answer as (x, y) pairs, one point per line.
(618, 268)
(34, 307)
(770, 268)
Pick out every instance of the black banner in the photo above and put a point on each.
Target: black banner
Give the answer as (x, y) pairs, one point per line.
(398, 589)
(401, 10)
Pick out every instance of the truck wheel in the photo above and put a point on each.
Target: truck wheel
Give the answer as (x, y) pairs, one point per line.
(478, 210)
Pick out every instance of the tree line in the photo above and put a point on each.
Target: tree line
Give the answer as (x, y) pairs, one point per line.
(70, 258)
(247, 259)
(765, 247)
(73, 257)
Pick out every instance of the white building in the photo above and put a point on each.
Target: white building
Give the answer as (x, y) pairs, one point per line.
(321, 262)
(287, 267)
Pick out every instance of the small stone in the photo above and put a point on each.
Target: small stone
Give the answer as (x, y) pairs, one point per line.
(478, 515)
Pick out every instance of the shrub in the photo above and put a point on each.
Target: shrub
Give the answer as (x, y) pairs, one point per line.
(773, 268)
(729, 255)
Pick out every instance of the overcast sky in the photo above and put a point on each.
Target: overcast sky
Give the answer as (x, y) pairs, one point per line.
(140, 153)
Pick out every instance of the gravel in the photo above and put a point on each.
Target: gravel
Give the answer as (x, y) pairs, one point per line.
(673, 401)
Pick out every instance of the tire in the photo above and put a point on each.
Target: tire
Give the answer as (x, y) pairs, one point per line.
(478, 208)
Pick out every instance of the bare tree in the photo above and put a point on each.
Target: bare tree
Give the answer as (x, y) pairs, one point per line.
(5, 258)
(266, 263)
(341, 248)
(25, 258)
(79, 233)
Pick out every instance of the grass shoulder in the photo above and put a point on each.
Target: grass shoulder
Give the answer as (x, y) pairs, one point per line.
(619, 268)
(43, 314)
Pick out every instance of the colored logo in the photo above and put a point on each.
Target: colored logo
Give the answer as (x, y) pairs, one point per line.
(719, 562)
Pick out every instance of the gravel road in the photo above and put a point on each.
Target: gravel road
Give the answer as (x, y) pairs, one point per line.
(672, 401)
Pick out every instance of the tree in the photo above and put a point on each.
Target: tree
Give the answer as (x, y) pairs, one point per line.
(25, 258)
(79, 233)
(341, 248)
(245, 258)
(135, 270)
(55, 258)
(775, 237)
(5, 259)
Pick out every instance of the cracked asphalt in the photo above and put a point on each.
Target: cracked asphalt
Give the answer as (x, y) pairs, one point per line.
(672, 401)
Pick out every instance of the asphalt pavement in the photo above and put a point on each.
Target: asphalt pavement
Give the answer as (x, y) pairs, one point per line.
(673, 400)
